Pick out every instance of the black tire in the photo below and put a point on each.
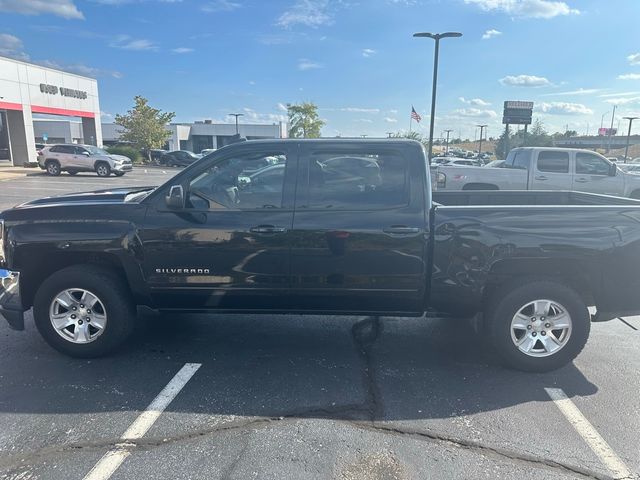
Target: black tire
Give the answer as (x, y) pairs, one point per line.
(112, 293)
(103, 169)
(118, 174)
(53, 167)
(72, 172)
(507, 301)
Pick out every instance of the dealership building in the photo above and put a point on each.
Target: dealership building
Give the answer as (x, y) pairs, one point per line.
(29, 91)
(200, 135)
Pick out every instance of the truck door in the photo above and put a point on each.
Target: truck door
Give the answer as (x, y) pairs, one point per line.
(359, 232)
(594, 175)
(229, 246)
(551, 171)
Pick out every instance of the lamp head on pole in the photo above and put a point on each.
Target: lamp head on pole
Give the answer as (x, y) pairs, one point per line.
(438, 36)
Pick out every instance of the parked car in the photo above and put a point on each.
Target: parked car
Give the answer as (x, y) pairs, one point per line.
(73, 158)
(544, 168)
(179, 158)
(526, 265)
(155, 154)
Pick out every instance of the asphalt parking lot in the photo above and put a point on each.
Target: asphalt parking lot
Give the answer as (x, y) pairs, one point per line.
(238, 397)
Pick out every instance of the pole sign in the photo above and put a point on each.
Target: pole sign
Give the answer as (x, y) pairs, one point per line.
(517, 113)
(604, 132)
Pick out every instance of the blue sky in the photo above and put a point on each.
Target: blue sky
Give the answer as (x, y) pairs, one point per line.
(356, 59)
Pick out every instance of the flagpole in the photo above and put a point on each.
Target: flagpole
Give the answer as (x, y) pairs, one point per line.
(410, 122)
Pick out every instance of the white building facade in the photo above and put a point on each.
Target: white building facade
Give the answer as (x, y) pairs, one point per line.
(27, 89)
(202, 135)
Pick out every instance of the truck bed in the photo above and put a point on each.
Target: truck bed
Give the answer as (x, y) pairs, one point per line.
(526, 197)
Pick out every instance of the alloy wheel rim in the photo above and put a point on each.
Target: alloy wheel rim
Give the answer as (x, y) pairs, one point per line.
(102, 170)
(78, 315)
(541, 328)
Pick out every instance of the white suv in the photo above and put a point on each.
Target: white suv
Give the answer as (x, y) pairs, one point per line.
(82, 158)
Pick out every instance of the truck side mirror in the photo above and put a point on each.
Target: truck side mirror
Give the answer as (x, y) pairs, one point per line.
(175, 199)
(613, 170)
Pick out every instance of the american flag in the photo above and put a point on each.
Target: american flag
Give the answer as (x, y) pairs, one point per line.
(415, 115)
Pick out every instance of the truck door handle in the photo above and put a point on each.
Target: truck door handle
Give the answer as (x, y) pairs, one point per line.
(582, 180)
(401, 230)
(267, 229)
(540, 177)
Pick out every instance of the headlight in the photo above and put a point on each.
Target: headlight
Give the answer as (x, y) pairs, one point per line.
(441, 180)
(3, 257)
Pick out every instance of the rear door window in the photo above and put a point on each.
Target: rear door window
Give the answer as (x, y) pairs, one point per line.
(366, 180)
(553, 161)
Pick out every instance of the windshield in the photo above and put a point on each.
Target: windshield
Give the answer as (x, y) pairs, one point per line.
(95, 150)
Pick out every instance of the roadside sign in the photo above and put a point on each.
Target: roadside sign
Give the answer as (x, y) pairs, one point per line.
(517, 112)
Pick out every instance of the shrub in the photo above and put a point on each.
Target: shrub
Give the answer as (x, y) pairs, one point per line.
(127, 151)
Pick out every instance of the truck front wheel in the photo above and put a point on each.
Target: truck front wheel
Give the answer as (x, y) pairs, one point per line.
(84, 311)
(537, 325)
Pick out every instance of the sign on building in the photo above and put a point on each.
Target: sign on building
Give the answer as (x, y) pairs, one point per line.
(604, 132)
(517, 112)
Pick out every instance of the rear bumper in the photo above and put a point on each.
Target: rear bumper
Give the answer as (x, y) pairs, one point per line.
(10, 302)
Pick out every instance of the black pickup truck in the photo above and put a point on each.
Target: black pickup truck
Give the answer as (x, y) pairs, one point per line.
(337, 227)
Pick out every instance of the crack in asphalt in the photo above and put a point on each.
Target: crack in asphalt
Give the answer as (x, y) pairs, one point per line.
(365, 416)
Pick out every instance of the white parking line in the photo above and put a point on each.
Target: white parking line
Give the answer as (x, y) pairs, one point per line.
(590, 435)
(111, 460)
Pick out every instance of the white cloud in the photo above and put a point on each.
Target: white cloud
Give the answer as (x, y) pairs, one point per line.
(305, 64)
(623, 100)
(629, 76)
(106, 117)
(622, 94)
(12, 47)
(478, 102)
(61, 8)
(365, 120)
(80, 69)
(524, 81)
(368, 52)
(256, 117)
(125, 42)
(580, 91)
(220, 6)
(563, 108)
(390, 120)
(475, 112)
(359, 110)
(491, 33)
(182, 50)
(526, 8)
(309, 13)
(282, 107)
(634, 59)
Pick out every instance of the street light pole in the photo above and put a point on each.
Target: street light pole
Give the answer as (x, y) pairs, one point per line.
(236, 115)
(482, 127)
(446, 148)
(626, 149)
(436, 37)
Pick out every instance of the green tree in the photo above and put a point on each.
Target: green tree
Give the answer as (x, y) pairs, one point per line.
(304, 121)
(537, 136)
(145, 126)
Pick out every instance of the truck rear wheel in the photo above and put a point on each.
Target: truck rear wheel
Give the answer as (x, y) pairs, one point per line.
(537, 325)
(84, 311)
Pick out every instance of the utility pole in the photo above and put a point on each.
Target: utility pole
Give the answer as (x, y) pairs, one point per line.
(613, 116)
(446, 148)
(236, 115)
(482, 127)
(626, 149)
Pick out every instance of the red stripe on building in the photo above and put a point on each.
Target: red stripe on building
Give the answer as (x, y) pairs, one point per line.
(10, 106)
(62, 111)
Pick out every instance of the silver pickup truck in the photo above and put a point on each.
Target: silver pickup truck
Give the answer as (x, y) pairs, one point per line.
(543, 168)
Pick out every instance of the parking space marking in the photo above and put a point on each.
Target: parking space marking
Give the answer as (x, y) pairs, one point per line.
(590, 435)
(111, 460)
